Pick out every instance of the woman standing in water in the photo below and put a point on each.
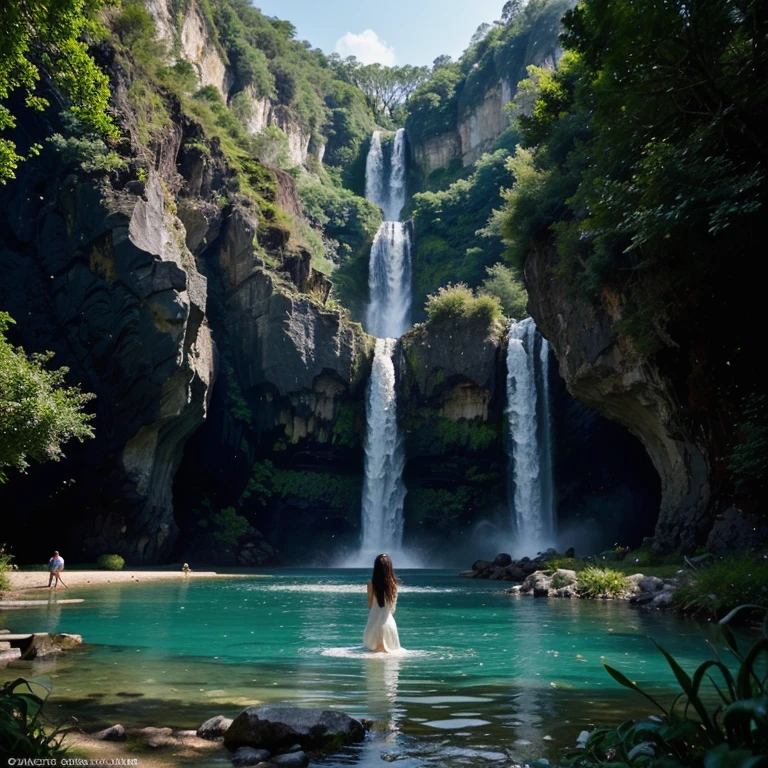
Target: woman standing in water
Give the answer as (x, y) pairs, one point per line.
(381, 631)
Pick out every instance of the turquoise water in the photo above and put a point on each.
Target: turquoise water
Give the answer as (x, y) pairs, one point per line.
(488, 677)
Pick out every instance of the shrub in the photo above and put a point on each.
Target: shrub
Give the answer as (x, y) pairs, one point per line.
(21, 711)
(5, 566)
(459, 302)
(110, 562)
(719, 588)
(601, 581)
(231, 527)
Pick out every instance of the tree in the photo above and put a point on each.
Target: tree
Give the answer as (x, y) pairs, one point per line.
(386, 88)
(441, 61)
(38, 411)
(511, 10)
(42, 43)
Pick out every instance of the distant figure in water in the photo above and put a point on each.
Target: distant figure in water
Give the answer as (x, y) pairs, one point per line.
(381, 631)
(55, 567)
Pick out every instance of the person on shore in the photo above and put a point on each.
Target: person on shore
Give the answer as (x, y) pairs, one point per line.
(380, 633)
(55, 567)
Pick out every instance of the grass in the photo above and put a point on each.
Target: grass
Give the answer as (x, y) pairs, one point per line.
(594, 582)
(628, 566)
(719, 588)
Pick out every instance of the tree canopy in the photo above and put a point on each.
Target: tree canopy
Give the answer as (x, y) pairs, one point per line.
(43, 45)
(39, 413)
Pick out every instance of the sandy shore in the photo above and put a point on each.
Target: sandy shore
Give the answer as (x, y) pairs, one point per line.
(22, 581)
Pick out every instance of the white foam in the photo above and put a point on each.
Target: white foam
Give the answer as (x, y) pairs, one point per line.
(360, 652)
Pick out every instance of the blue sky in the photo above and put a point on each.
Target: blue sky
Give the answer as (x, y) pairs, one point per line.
(393, 32)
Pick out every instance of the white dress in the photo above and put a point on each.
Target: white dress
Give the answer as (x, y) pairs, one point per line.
(381, 631)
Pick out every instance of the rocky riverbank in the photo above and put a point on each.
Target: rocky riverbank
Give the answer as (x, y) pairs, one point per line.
(540, 577)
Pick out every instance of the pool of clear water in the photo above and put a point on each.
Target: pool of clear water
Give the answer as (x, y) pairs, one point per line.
(487, 678)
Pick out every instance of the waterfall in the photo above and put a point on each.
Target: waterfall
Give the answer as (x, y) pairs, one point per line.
(529, 444)
(389, 281)
(388, 316)
(383, 489)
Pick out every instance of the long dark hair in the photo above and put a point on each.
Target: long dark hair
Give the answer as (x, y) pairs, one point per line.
(384, 580)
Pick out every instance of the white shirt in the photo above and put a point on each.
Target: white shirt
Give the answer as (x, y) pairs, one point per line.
(56, 563)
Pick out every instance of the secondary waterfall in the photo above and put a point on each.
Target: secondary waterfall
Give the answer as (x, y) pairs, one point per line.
(388, 316)
(383, 489)
(530, 439)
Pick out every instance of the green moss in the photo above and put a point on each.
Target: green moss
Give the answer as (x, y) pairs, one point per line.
(341, 492)
(345, 428)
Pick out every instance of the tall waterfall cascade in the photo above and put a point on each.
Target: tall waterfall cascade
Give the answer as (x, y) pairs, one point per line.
(383, 489)
(388, 316)
(529, 446)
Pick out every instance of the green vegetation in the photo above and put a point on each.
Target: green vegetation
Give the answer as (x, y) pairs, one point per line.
(110, 562)
(718, 720)
(21, 720)
(646, 200)
(459, 302)
(749, 458)
(523, 36)
(228, 527)
(503, 283)
(594, 582)
(5, 566)
(268, 482)
(716, 589)
(45, 42)
(456, 233)
(40, 413)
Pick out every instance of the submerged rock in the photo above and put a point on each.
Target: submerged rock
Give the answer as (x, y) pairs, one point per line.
(42, 644)
(277, 728)
(250, 756)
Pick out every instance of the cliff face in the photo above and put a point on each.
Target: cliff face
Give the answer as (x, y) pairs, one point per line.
(451, 415)
(477, 127)
(600, 369)
(102, 277)
(181, 304)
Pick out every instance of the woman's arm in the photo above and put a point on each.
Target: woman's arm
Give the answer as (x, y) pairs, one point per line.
(370, 595)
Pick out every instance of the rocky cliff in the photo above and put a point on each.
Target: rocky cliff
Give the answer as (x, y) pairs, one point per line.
(602, 369)
(190, 308)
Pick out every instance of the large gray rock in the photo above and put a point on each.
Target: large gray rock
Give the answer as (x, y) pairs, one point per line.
(291, 760)
(602, 369)
(276, 728)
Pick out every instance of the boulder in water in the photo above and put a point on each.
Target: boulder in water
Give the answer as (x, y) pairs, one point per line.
(250, 756)
(276, 728)
(214, 728)
(502, 560)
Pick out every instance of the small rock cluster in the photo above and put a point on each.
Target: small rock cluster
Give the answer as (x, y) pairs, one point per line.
(265, 737)
(504, 568)
(650, 591)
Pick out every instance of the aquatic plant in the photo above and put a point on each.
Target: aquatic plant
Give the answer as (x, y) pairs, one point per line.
(21, 715)
(731, 733)
(601, 581)
(110, 562)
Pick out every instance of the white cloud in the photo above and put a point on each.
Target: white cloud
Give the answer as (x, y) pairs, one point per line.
(367, 47)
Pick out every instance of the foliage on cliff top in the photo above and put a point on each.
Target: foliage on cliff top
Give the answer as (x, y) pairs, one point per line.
(39, 412)
(44, 43)
(457, 236)
(643, 175)
(460, 302)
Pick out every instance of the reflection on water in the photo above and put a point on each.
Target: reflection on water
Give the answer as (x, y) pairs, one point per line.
(487, 678)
